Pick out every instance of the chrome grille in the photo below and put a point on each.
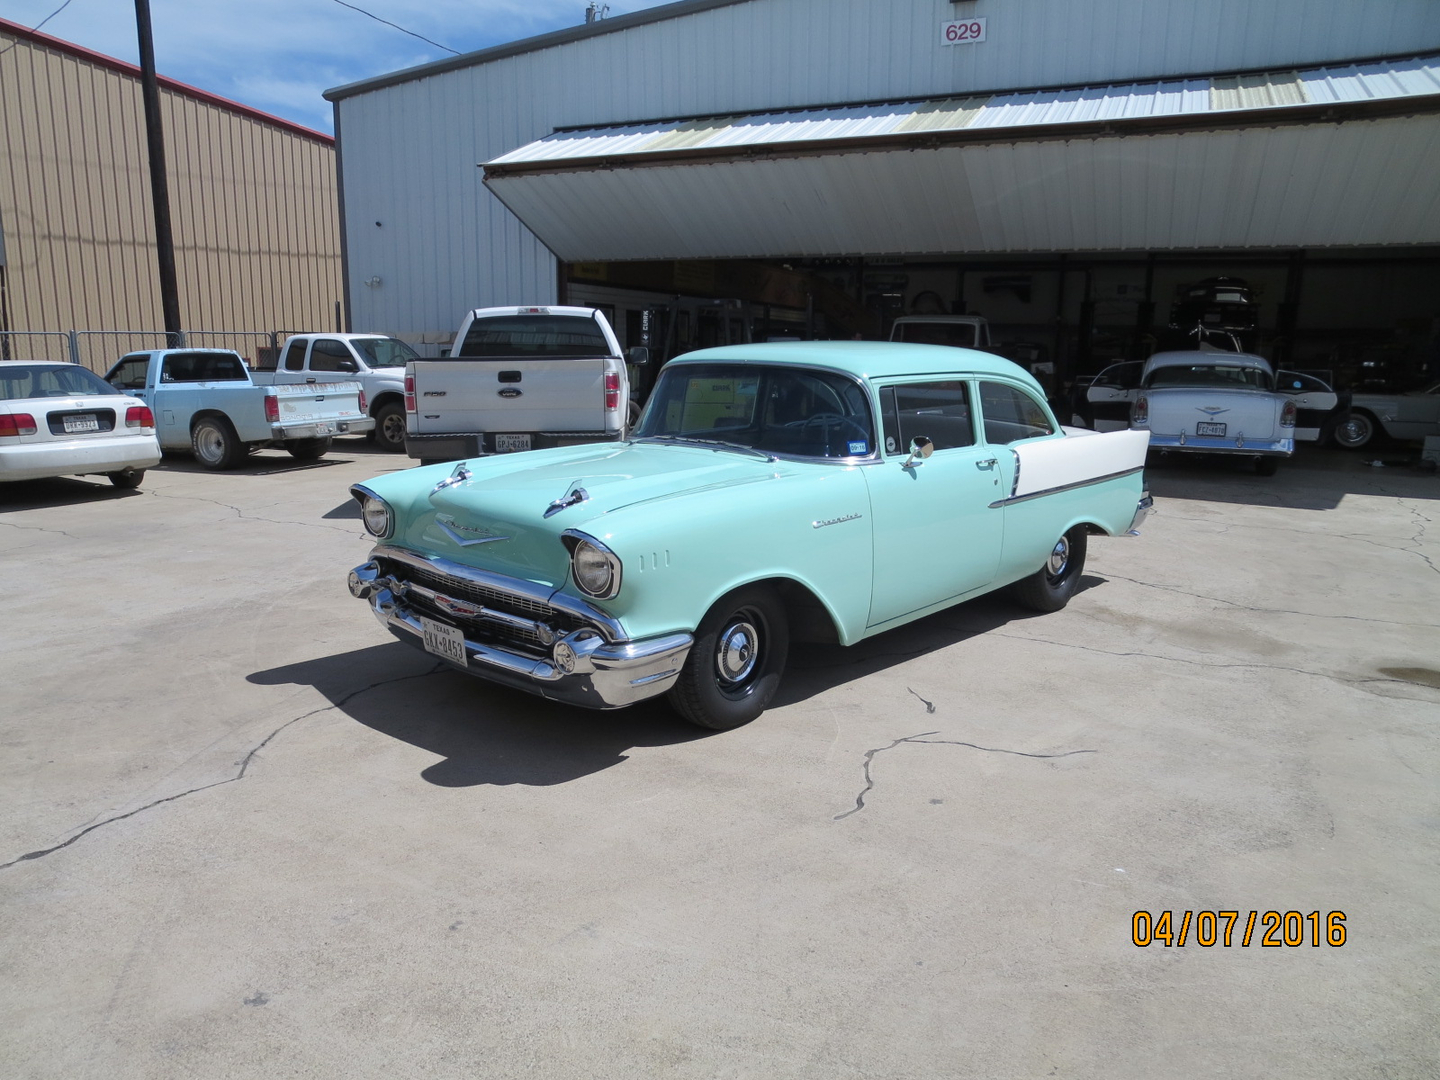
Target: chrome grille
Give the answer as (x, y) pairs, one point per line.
(479, 594)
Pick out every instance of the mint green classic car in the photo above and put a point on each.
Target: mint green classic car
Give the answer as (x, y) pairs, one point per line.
(799, 491)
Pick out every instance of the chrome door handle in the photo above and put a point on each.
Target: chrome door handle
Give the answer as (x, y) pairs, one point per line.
(988, 463)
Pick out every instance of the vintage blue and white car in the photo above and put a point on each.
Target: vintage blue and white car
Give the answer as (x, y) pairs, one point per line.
(771, 493)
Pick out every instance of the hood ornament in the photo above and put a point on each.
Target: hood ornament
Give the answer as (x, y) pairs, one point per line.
(572, 497)
(459, 476)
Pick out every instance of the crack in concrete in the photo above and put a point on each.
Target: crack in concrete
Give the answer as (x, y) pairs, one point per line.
(921, 739)
(240, 775)
(39, 528)
(243, 516)
(1268, 610)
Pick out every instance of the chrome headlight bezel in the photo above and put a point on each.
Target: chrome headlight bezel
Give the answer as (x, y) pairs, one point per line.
(594, 568)
(375, 513)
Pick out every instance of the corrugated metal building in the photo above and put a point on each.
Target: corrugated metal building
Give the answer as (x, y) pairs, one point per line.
(1062, 166)
(254, 207)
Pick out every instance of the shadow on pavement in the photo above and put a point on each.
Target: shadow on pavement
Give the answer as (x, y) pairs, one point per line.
(61, 491)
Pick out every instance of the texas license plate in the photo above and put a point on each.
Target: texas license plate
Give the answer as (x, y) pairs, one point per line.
(322, 428)
(509, 444)
(74, 425)
(1209, 429)
(444, 641)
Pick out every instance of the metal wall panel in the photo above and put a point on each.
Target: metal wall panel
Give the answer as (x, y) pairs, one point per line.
(253, 204)
(411, 149)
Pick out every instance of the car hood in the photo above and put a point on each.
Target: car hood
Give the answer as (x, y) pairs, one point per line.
(506, 513)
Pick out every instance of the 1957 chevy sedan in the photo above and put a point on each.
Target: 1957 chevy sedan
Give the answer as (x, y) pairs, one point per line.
(802, 491)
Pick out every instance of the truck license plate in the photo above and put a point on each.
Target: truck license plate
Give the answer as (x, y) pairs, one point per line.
(322, 428)
(1203, 428)
(509, 444)
(76, 424)
(444, 641)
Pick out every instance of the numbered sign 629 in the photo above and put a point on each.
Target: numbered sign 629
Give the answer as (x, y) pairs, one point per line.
(962, 32)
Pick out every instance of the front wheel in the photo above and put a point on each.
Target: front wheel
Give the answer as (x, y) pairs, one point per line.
(390, 427)
(308, 449)
(215, 443)
(1050, 587)
(1354, 431)
(735, 665)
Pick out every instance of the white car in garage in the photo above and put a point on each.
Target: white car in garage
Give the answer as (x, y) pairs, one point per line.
(64, 420)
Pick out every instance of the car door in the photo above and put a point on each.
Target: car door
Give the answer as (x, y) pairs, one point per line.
(1315, 402)
(936, 535)
(1110, 396)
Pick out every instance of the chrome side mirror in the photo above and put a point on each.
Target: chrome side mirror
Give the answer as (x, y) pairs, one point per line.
(920, 449)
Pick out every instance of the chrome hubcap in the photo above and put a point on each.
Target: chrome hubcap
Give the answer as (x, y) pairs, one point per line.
(210, 444)
(1059, 558)
(737, 653)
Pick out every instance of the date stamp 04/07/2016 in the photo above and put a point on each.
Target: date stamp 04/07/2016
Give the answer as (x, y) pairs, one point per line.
(1231, 928)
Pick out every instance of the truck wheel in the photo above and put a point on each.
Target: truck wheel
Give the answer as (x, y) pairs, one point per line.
(129, 478)
(735, 665)
(215, 443)
(1050, 587)
(390, 427)
(308, 449)
(1354, 431)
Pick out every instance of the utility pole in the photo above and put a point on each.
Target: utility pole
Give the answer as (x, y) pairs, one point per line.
(159, 185)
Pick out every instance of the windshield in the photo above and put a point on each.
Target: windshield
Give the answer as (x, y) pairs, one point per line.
(962, 335)
(775, 409)
(20, 381)
(534, 336)
(384, 351)
(1207, 375)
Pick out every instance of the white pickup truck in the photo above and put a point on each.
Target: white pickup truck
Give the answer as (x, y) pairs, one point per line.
(520, 378)
(205, 401)
(961, 331)
(375, 361)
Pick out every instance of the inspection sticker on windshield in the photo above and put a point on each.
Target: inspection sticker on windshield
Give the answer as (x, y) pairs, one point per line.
(859, 447)
(444, 641)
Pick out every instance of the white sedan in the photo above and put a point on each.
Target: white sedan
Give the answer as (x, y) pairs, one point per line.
(64, 420)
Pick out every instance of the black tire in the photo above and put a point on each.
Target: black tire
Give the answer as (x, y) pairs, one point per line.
(1354, 431)
(215, 444)
(308, 449)
(735, 665)
(1050, 587)
(390, 427)
(1267, 466)
(632, 414)
(130, 478)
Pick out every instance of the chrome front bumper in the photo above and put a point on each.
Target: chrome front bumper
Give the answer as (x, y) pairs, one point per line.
(583, 668)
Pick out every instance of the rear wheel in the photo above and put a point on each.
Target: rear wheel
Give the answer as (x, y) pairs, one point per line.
(1267, 466)
(308, 449)
(1050, 587)
(129, 478)
(1355, 431)
(735, 665)
(215, 443)
(390, 427)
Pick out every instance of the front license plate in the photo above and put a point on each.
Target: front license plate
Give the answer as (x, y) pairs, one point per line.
(1209, 429)
(444, 641)
(509, 444)
(74, 425)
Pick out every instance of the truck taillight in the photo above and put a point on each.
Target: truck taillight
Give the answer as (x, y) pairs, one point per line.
(612, 390)
(364, 405)
(1287, 414)
(272, 409)
(139, 416)
(20, 423)
(409, 393)
(1140, 414)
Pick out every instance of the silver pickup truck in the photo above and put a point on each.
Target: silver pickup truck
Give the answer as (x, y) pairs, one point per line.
(520, 378)
(205, 401)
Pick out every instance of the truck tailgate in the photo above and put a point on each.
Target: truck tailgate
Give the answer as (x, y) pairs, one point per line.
(305, 403)
(557, 394)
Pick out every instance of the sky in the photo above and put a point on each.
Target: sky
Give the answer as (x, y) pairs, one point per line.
(279, 56)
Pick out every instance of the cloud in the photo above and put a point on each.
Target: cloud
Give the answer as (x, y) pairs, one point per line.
(280, 56)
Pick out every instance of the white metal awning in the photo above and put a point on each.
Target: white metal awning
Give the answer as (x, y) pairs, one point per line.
(1325, 156)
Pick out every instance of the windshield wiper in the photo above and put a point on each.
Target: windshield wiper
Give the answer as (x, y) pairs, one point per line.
(689, 439)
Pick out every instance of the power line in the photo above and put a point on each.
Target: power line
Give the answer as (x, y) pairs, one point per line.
(46, 19)
(387, 22)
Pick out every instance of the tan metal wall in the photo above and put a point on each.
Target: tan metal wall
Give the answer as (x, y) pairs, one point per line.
(253, 204)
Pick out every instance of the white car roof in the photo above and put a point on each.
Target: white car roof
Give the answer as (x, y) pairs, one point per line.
(1191, 357)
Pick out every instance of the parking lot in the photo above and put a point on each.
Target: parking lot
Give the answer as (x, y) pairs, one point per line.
(245, 833)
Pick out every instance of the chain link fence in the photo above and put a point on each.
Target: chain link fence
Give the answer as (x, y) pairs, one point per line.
(99, 349)
(37, 345)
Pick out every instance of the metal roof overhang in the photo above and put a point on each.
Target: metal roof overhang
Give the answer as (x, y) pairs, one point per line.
(1327, 157)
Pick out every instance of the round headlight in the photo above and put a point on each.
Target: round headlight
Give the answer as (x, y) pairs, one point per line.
(376, 516)
(597, 571)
